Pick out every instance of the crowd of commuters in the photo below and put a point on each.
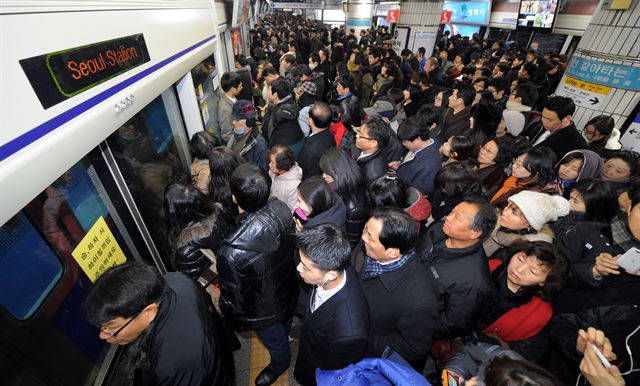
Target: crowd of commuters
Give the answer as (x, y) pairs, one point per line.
(444, 207)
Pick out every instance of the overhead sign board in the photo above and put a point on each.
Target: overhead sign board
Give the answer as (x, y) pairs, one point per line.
(468, 12)
(607, 74)
(584, 94)
(305, 6)
(60, 75)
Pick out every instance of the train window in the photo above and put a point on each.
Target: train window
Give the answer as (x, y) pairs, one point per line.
(29, 269)
(205, 82)
(146, 170)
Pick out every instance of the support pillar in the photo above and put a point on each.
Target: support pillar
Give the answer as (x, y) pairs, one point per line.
(423, 17)
(359, 14)
(603, 76)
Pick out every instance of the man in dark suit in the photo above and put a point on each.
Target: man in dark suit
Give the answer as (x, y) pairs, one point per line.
(319, 140)
(335, 326)
(421, 163)
(402, 305)
(556, 129)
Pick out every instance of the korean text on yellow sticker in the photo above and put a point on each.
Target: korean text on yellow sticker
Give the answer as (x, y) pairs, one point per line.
(98, 250)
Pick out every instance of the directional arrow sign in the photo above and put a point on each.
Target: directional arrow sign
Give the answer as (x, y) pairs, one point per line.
(594, 101)
(584, 94)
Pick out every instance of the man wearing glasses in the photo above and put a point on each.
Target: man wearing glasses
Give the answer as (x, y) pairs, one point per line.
(175, 334)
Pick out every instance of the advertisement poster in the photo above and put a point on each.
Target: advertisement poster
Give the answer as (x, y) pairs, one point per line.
(236, 41)
(401, 38)
(240, 12)
(468, 12)
(426, 40)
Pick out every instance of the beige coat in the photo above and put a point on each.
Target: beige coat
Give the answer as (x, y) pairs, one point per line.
(499, 239)
(285, 186)
(201, 175)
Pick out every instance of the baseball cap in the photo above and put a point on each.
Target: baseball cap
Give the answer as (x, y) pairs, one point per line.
(243, 109)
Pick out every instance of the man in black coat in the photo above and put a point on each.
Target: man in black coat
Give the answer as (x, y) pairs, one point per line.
(258, 285)
(556, 130)
(318, 142)
(402, 306)
(349, 103)
(175, 333)
(335, 327)
(372, 139)
(456, 265)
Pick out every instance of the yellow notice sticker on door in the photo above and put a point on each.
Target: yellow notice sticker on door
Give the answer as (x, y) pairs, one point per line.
(98, 250)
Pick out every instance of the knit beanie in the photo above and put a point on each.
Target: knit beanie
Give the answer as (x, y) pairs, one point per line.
(540, 208)
(514, 121)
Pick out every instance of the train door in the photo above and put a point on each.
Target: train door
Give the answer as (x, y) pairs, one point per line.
(113, 196)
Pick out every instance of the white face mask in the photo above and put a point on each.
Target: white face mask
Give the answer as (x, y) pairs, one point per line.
(312, 66)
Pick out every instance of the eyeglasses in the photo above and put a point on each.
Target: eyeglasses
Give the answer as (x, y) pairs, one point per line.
(359, 135)
(113, 335)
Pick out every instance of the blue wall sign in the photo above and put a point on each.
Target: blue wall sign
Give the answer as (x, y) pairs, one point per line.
(608, 74)
(468, 12)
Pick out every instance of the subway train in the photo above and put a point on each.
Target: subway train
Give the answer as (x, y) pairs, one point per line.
(99, 100)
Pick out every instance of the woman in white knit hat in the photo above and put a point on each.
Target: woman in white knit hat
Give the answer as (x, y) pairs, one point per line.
(525, 218)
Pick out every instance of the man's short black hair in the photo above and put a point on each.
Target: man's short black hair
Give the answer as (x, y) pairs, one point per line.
(530, 68)
(528, 93)
(398, 229)
(485, 219)
(123, 291)
(270, 70)
(241, 59)
(406, 52)
(412, 128)
(378, 131)
(326, 246)
(230, 80)
(315, 58)
(499, 83)
(290, 59)
(467, 93)
(346, 81)
(250, 185)
(563, 106)
(320, 114)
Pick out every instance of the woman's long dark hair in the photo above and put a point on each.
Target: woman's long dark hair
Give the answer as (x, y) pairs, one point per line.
(345, 172)
(222, 162)
(317, 194)
(540, 162)
(599, 197)
(183, 205)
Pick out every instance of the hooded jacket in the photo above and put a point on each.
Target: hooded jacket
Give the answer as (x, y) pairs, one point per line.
(285, 186)
(258, 285)
(591, 166)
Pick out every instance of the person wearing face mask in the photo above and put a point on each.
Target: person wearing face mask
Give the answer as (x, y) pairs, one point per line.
(247, 141)
(335, 323)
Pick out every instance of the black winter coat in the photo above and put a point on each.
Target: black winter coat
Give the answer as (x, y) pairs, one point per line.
(460, 278)
(313, 148)
(373, 166)
(336, 215)
(402, 309)
(357, 215)
(197, 241)
(561, 142)
(185, 345)
(280, 125)
(258, 284)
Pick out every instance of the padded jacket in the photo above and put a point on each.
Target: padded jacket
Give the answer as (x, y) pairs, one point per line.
(460, 279)
(258, 284)
(357, 216)
(198, 240)
(373, 166)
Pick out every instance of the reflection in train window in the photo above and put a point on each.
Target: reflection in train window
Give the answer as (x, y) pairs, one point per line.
(29, 269)
(147, 156)
(205, 82)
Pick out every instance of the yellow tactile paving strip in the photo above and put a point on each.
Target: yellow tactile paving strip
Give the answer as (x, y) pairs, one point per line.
(260, 359)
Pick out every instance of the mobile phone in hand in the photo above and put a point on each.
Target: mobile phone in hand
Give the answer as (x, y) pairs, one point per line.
(299, 214)
(600, 356)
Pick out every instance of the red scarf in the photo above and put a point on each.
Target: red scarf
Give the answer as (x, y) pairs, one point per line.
(521, 322)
